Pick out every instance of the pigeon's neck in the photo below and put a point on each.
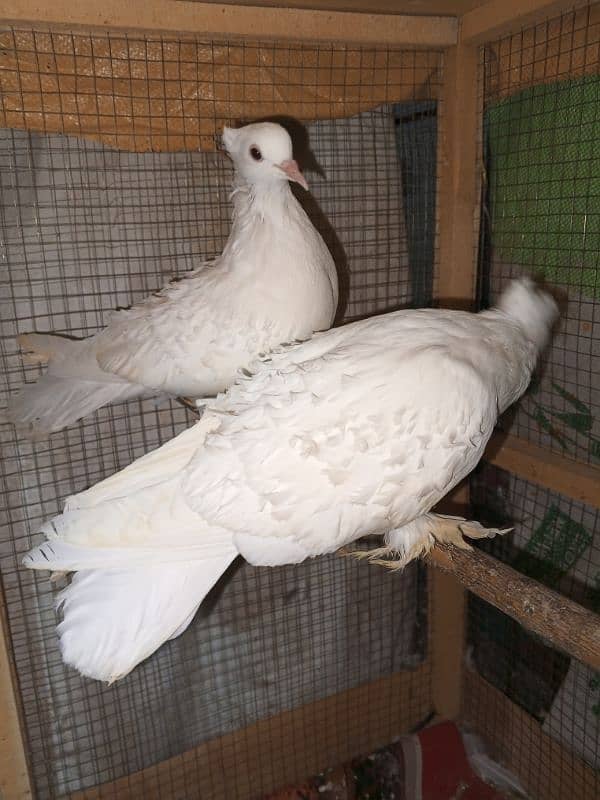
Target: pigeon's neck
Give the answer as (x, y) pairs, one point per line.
(266, 202)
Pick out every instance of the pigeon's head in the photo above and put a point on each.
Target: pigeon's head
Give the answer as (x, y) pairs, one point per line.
(262, 154)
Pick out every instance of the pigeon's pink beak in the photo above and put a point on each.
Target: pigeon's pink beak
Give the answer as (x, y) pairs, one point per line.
(292, 170)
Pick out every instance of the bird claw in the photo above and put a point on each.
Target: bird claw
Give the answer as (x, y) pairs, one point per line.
(453, 529)
(380, 557)
(368, 555)
(390, 563)
(474, 530)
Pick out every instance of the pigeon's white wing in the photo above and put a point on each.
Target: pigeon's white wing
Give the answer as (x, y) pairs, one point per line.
(184, 340)
(358, 431)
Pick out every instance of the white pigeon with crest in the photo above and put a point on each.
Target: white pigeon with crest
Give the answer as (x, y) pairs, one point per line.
(359, 431)
(274, 282)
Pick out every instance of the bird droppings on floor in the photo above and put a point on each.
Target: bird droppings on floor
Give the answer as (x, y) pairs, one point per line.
(430, 765)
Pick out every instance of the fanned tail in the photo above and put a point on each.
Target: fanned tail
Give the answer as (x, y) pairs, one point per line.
(143, 561)
(53, 403)
(73, 387)
(130, 595)
(114, 619)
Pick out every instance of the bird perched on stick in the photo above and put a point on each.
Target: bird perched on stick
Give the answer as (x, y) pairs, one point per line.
(274, 282)
(359, 431)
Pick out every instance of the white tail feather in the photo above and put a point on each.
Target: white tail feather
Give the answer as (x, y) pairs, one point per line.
(73, 386)
(54, 402)
(61, 556)
(143, 561)
(114, 619)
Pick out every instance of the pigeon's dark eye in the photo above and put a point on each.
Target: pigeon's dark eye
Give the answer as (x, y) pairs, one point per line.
(255, 153)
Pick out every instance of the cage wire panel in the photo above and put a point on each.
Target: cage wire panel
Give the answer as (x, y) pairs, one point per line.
(556, 542)
(542, 210)
(86, 228)
(541, 215)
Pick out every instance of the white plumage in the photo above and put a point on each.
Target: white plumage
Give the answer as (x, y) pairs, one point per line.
(274, 282)
(361, 430)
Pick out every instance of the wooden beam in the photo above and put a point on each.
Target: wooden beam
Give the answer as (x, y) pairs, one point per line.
(220, 20)
(501, 17)
(459, 177)
(547, 769)
(447, 609)
(563, 475)
(14, 773)
(458, 211)
(561, 622)
(289, 747)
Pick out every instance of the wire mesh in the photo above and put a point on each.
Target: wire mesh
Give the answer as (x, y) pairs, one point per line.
(539, 707)
(86, 228)
(556, 541)
(542, 212)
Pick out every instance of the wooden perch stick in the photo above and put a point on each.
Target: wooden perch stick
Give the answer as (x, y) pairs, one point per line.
(561, 622)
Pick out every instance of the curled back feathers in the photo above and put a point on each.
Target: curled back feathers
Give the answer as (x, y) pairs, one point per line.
(335, 429)
(340, 435)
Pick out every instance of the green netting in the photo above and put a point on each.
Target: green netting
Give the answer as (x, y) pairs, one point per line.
(543, 166)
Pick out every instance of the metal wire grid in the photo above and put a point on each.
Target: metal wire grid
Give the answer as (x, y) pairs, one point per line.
(539, 754)
(555, 541)
(85, 229)
(542, 212)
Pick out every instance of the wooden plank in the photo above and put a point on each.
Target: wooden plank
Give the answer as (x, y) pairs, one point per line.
(563, 623)
(547, 769)
(459, 177)
(14, 773)
(500, 17)
(458, 211)
(563, 475)
(216, 19)
(450, 8)
(447, 638)
(288, 747)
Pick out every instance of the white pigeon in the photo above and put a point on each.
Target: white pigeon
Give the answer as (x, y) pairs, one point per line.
(274, 282)
(359, 431)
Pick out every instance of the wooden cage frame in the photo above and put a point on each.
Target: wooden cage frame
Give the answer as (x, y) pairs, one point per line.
(459, 194)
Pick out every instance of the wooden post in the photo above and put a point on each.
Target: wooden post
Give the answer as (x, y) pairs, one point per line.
(459, 170)
(447, 612)
(14, 772)
(458, 213)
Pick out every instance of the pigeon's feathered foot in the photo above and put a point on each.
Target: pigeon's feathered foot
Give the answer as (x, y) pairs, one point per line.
(451, 530)
(419, 536)
(190, 404)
